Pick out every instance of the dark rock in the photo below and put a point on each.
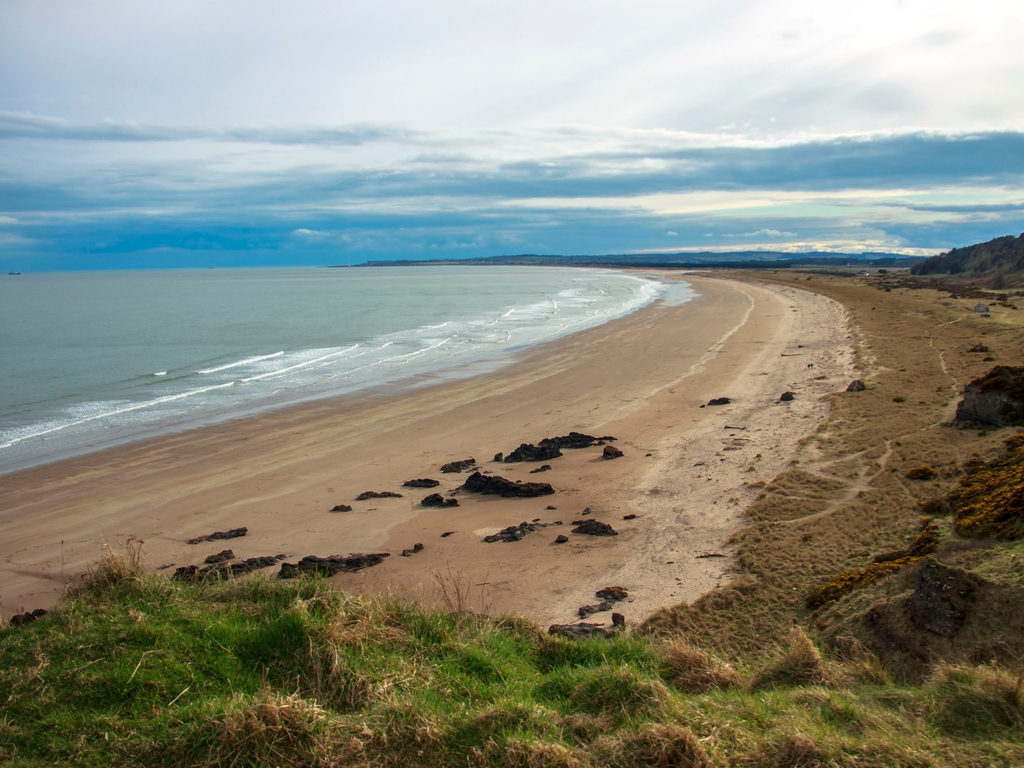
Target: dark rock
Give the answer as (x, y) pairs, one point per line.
(719, 401)
(594, 528)
(513, 532)
(979, 348)
(528, 452)
(941, 598)
(220, 557)
(611, 452)
(542, 468)
(499, 456)
(630, 516)
(586, 511)
(551, 507)
(583, 630)
(612, 593)
(618, 620)
(459, 466)
(446, 534)
(497, 485)
(311, 565)
(560, 539)
(586, 610)
(785, 397)
(423, 482)
(575, 440)
(341, 508)
(417, 547)
(234, 533)
(856, 386)
(378, 495)
(437, 500)
(996, 398)
(20, 619)
(410, 552)
(193, 574)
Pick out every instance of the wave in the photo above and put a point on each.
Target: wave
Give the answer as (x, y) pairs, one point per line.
(246, 361)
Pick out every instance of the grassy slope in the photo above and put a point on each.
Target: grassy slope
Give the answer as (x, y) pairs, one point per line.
(132, 669)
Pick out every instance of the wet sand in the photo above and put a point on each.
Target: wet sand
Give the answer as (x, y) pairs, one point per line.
(685, 471)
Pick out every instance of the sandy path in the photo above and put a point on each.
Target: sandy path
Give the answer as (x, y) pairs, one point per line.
(641, 378)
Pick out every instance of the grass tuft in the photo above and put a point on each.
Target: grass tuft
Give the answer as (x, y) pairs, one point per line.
(696, 671)
(973, 701)
(801, 664)
(653, 744)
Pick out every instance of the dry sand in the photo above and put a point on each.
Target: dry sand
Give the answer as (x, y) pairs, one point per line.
(643, 378)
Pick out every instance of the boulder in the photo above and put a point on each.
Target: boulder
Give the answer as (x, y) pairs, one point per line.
(612, 593)
(458, 466)
(996, 398)
(785, 397)
(437, 500)
(541, 468)
(586, 610)
(611, 452)
(423, 482)
(719, 401)
(20, 619)
(341, 508)
(979, 348)
(500, 486)
(560, 539)
(941, 598)
(856, 386)
(378, 495)
(593, 528)
(234, 533)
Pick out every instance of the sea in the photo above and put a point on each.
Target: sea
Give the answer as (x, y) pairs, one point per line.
(93, 359)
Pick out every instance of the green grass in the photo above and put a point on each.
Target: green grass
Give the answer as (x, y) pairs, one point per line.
(133, 669)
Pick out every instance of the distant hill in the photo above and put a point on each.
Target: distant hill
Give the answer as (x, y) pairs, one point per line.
(998, 263)
(705, 259)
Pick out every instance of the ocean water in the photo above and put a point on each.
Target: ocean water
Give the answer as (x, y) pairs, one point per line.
(91, 359)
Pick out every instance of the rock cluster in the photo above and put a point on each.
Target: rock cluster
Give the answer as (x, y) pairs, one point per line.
(29, 616)
(529, 452)
(234, 533)
(500, 486)
(514, 532)
(220, 557)
(341, 508)
(423, 482)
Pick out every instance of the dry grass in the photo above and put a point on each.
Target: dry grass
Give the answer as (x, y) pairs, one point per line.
(694, 671)
(667, 745)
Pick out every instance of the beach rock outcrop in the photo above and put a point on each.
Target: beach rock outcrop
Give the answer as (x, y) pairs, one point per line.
(341, 508)
(593, 528)
(500, 486)
(311, 565)
(719, 401)
(458, 466)
(996, 398)
(234, 533)
(584, 630)
(193, 574)
(575, 440)
(586, 610)
(541, 468)
(514, 532)
(378, 495)
(856, 386)
(220, 557)
(611, 452)
(437, 500)
(529, 452)
(423, 482)
(612, 593)
(20, 619)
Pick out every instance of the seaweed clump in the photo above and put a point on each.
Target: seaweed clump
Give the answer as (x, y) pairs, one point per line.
(990, 499)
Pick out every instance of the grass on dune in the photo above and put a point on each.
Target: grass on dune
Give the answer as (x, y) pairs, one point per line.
(132, 669)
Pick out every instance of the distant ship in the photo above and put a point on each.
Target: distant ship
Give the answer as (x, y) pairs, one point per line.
(14, 273)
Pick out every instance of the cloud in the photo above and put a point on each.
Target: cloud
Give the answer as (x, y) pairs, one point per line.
(764, 233)
(311, 234)
(670, 233)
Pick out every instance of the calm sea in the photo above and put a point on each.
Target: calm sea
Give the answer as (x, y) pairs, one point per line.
(90, 359)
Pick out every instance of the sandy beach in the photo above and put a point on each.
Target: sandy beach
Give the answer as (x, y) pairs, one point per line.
(685, 473)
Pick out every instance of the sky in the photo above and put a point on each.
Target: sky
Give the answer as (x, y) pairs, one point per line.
(200, 133)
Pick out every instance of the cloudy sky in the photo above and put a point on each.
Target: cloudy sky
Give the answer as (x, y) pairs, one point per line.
(205, 132)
